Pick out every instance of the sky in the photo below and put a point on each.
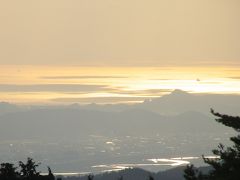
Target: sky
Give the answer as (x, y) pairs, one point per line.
(113, 32)
(110, 85)
(113, 51)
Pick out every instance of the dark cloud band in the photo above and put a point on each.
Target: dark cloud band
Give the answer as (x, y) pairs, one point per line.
(52, 88)
(99, 99)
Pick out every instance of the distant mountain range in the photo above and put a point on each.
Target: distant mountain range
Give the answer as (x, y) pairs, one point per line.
(179, 102)
(75, 123)
(174, 103)
(177, 112)
(140, 174)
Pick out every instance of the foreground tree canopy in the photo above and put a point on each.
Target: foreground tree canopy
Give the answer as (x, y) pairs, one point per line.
(27, 171)
(227, 166)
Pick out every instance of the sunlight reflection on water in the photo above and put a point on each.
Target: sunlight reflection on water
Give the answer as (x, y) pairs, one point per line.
(178, 161)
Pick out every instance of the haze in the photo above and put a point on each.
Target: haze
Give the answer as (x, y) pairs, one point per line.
(120, 33)
(92, 86)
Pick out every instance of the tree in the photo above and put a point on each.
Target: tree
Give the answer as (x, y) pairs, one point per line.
(190, 173)
(90, 177)
(50, 174)
(8, 171)
(120, 178)
(28, 170)
(227, 166)
(150, 177)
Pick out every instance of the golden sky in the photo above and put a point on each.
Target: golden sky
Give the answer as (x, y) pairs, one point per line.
(111, 51)
(84, 85)
(120, 32)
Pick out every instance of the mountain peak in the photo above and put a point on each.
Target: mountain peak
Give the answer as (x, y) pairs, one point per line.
(179, 92)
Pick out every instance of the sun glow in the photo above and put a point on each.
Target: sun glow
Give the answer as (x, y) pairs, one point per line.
(51, 85)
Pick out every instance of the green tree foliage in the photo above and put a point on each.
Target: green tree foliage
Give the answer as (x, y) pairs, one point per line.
(227, 166)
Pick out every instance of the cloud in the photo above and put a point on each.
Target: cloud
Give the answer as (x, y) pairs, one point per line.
(150, 92)
(52, 88)
(210, 82)
(101, 100)
(83, 77)
(135, 96)
(156, 79)
(235, 77)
